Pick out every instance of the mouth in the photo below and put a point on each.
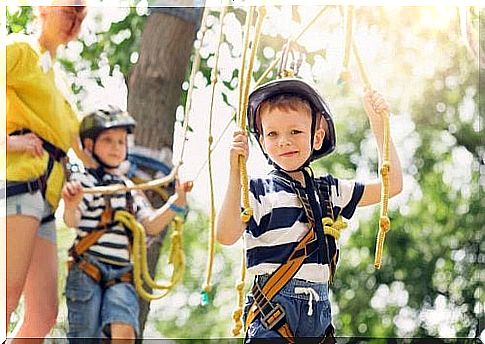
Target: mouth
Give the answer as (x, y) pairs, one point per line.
(289, 154)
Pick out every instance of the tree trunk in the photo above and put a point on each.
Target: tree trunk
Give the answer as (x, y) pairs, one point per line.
(155, 87)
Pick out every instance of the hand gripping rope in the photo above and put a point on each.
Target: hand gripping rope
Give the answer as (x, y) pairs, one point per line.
(384, 222)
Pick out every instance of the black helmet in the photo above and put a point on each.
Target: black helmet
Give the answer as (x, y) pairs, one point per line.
(295, 87)
(102, 119)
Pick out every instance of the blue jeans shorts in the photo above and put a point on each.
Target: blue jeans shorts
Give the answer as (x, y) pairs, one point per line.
(33, 204)
(306, 306)
(91, 309)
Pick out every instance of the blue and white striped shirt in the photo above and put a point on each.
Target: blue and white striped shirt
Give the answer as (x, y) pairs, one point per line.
(113, 246)
(279, 222)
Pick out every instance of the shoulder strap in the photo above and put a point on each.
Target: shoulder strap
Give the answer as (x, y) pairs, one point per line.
(86, 242)
(286, 271)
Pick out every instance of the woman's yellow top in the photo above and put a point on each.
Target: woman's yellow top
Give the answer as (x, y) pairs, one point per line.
(35, 102)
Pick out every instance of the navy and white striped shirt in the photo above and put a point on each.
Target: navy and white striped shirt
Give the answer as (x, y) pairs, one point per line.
(279, 222)
(113, 246)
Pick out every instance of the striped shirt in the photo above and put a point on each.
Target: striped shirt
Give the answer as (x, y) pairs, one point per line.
(113, 246)
(279, 222)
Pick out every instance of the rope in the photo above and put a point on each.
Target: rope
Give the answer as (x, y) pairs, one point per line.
(349, 18)
(210, 260)
(333, 228)
(237, 324)
(384, 222)
(139, 256)
(244, 92)
(244, 83)
(194, 70)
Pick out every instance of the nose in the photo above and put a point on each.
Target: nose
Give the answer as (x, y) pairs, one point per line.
(284, 141)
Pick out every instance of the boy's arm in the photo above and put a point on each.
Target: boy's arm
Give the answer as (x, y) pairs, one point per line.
(229, 226)
(155, 223)
(72, 195)
(374, 105)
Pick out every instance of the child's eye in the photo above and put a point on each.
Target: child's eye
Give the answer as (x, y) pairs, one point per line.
(271, 134)
(296, 132)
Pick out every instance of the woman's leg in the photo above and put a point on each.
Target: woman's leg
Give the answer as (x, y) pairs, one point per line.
(21, 238)
(40, 291)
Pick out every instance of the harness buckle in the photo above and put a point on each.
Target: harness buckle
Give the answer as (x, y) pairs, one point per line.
(271, 319)
(31, 186)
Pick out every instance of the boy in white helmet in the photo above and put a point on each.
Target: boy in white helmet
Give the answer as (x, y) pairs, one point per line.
(287, 248)
(100, 294)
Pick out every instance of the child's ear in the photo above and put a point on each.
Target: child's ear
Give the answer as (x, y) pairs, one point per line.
(88, 144)
(318, 139)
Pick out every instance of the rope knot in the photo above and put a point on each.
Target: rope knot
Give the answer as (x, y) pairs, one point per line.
(385, 168)
(345, 76)
(385, 223)
(246, 214)
(210, 139)
(236, 317)
(333, 228)
(240, 286)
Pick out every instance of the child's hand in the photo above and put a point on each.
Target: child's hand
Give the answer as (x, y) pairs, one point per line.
(72, 194)
(29, 143)
(239, 147)
(181, 190)
(375, 105)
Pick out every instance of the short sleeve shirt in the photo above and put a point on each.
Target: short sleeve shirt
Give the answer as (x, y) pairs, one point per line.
(113, 246)
(279, 223)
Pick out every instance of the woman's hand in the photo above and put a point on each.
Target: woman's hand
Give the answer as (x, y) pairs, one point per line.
(29, 143)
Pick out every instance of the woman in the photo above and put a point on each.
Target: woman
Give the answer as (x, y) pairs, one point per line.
(41, 126)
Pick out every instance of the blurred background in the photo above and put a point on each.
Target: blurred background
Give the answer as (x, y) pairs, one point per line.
(426, 61)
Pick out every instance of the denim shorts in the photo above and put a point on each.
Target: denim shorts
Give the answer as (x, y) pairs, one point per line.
(307, 311)
(91, 309)
(33, 204)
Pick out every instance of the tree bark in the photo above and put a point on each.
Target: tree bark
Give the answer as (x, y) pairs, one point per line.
(155, 87)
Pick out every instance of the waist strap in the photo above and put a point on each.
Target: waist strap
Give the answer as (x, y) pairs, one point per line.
(95, 273)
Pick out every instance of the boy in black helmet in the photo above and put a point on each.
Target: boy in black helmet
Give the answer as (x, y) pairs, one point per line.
(101, 298)
(291, 237)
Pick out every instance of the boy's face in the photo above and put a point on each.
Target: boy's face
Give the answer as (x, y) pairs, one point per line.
(110, 146)
(286, 137)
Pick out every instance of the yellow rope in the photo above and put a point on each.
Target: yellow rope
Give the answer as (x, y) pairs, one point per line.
(237, 313)
(333, 228)
(140, 267)
(384, 222)
(194, 70)
(349, 16)
(210, 260)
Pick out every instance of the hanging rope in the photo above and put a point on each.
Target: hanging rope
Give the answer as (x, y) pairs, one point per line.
(237, 324)
(348, 20)
(206, 288)
(244, 83)
(384, 222)
(139, 256)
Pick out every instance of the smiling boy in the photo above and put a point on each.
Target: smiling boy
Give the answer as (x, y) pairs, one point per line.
(291, 253)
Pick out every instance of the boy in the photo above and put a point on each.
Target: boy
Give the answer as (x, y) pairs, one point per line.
(291, 253)
(105, 301)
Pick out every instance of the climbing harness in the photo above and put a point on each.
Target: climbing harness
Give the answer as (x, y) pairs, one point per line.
(273, 316)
